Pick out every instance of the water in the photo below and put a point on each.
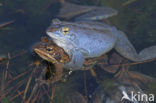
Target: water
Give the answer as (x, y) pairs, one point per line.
(31, 18)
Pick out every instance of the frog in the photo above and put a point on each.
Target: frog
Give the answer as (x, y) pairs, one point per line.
(50, 52)
(89, 39)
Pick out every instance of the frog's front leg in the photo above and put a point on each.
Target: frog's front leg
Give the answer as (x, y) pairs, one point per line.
(76, 62)
(126, 49)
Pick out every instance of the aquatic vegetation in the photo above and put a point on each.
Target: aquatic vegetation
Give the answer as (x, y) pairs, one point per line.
(26, 79)
(35, 85)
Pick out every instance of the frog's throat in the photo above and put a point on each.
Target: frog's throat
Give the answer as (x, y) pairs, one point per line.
(45, 56)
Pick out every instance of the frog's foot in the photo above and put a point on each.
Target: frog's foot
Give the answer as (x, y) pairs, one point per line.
(89, 64)
(141, 77)
(111, 64)
(131, 77)
(124, 77)
(122, 73)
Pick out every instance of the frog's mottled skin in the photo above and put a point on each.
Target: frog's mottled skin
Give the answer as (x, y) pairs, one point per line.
(92, 39)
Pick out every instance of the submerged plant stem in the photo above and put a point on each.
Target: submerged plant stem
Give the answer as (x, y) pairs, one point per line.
(28, 83)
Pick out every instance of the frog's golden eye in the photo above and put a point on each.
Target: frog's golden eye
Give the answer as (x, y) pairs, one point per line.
(65, 30)
(50, 50)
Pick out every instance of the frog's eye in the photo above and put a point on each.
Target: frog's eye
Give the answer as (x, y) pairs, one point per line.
(65, 30)
(50, 50)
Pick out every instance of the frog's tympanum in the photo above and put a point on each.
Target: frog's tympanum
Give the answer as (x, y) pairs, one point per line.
(89, 39)
(51, 52)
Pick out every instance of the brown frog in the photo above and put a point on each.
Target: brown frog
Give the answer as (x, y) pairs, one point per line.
(49, 51)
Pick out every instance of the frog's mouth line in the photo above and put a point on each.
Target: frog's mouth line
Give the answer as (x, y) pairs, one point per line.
(60, 39)
(45, 56)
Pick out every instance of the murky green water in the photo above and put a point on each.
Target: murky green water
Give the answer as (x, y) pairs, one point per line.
(137, 18)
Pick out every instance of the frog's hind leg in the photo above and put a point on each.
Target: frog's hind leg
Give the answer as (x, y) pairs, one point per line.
(126, 49)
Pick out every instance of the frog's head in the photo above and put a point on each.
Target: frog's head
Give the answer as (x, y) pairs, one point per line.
(51, 52)
(61, 32)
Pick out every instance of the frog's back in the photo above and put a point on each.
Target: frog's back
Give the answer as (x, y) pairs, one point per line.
(96, 39)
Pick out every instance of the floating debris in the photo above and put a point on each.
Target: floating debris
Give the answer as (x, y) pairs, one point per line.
(2, 58)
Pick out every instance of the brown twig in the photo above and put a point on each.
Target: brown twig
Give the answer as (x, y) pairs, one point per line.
(18, 76)
(35, 88)
(6, 23)
(53, 92)
(35, 98)
(46, 92)
(4, 94)
(28, 83)
(18, 85)
(134, 63)
(39, 97)
(19, 93)
(18, 54)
